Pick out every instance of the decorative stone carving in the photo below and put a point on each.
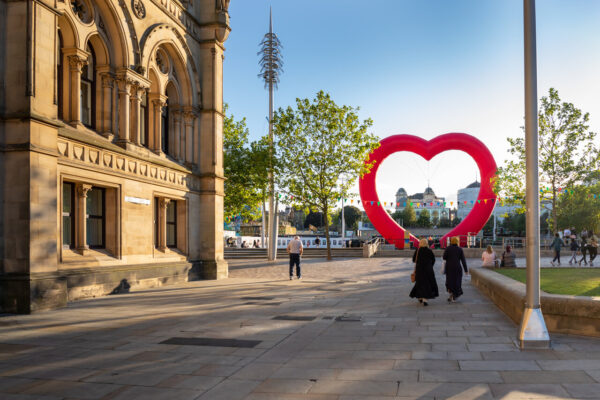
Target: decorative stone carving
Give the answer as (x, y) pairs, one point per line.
(83, 189)
(138, 8)
(76, 62)
(82, 10)
(162, 61)
(109, 161)
(222, 5)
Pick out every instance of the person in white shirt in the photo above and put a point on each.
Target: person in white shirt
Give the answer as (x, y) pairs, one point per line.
(295, 249)
(488, 257)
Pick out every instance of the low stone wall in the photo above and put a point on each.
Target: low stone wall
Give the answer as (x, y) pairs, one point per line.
(469, 252)
(575, 315)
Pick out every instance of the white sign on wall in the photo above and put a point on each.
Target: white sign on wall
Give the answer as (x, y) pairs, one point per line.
(137, 200)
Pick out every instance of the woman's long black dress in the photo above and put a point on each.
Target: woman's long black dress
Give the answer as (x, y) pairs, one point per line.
(425, 283)
(454, 257)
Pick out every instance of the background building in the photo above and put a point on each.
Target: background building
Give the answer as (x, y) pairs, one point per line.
(111, 155)
(423, 201)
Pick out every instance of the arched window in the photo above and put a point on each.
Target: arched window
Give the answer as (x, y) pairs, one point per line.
(164, 128)
(59, 76)
(88, 90)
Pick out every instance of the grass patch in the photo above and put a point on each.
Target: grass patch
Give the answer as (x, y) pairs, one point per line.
(572, 281)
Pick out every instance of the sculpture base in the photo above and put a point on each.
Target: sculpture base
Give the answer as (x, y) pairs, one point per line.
(533, 333)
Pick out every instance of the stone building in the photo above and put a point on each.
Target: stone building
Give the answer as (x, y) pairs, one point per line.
(111, 162)
(427, 200)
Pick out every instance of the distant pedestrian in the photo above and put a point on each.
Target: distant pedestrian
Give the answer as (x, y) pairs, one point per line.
(574, 248)
(593, 247)
(488, 258)
(584, 250)
(567, 234)
(318, 242)
(294, 249)
(557, 244)
(425, 284)
(454, 257)
(509, 258)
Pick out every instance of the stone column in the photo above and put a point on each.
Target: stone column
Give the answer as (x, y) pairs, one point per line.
(124, 85)
(76, 63)
(162, 223)
(158, 101)
(107, 96)
(134, 126)
(189, 119)
(81, 192)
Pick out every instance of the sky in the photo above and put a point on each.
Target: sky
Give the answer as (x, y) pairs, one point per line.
(420, 67)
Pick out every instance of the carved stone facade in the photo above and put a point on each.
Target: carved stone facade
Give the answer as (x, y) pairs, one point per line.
(111, 161)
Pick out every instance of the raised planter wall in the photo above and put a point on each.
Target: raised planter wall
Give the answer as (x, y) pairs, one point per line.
(575, 315)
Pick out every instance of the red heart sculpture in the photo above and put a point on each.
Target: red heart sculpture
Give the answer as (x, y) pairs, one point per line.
(482, 209)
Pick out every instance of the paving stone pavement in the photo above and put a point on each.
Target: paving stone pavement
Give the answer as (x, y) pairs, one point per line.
(387, 347)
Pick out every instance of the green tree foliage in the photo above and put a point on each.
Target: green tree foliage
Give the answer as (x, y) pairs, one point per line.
(315, 219)
(424, 219)
(445, 222)
(351, 214)
(567, 154)
(408, 216)
(321, 148)
(580, 209)
(246, 166)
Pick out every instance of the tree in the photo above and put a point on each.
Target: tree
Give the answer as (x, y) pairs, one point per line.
(580, 208)
(315, 219)
(424, 220)
(408, 216)
(321, 148)
(566, 154)
(352, 216)
(444, 222)
(245, 165)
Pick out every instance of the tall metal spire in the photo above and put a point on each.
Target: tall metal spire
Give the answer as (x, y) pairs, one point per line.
(271, 63)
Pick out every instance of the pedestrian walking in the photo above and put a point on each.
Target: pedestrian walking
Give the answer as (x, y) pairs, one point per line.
(295, 249)
(557, 244)
(593, 247)
(425, 284)
(509, 258)
(574, 249)
(584, 249)
(454, 257)
(318, 242)
(488, 258)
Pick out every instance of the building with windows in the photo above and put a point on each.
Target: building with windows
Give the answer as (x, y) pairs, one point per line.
(427, 200)
(111, 156)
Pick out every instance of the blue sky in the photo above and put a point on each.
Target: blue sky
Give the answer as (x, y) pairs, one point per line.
(422, 67)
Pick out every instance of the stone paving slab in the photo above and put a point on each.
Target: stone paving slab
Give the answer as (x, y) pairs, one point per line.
(109, 348)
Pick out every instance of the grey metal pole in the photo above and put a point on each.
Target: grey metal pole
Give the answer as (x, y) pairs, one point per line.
(272, 208)
(533, 332)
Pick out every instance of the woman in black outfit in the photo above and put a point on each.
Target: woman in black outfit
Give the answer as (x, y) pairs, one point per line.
(425, 284)
(454, 257)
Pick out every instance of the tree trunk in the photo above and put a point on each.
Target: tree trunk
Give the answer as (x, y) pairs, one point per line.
(554, 215)
(326, 215)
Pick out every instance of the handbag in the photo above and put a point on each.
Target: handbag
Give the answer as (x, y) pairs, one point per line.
(413, 276)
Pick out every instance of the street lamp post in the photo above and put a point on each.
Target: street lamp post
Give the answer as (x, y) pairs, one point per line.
(533, 332)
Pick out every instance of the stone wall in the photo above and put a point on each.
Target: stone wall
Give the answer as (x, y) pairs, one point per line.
(575, 315)
(118, 97)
